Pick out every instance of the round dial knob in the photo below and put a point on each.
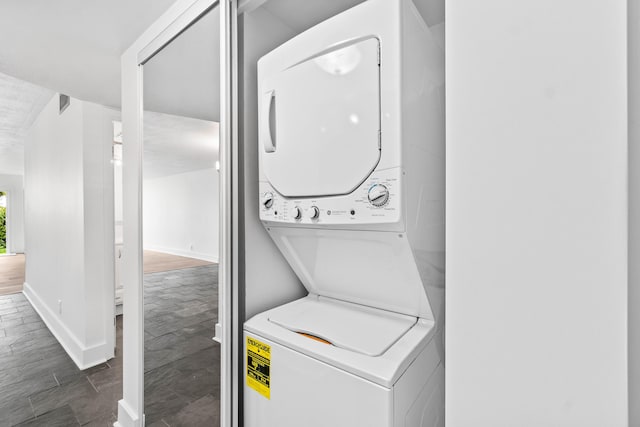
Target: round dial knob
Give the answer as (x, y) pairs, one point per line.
(297, 213)
(267, 200)
(314, 212)
(378, 195)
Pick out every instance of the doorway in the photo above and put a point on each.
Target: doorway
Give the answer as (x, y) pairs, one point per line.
(3, 222)
(138, 93)
(11, 265)
(171, 196)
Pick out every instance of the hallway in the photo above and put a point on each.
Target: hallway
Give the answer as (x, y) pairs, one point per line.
(40, 384)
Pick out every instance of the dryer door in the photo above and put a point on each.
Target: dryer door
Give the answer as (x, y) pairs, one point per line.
(320, 121)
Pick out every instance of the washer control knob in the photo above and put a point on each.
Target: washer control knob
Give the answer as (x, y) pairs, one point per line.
(297, 213)
(314, 212)
(267, 200)
(378, 195)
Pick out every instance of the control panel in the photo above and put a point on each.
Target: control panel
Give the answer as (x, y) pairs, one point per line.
(377, 200)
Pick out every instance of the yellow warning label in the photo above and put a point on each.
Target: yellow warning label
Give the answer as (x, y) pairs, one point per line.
(259, 367)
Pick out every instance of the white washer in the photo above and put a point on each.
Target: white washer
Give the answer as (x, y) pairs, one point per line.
(351, 116)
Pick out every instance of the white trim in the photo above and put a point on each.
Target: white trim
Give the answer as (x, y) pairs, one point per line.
(84, 357)
(228, 272)
(126, 416)
(179, 24)
(187, 254)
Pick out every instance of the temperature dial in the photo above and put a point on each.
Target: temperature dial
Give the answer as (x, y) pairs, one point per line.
(267, 200)
(378, 195)
(297, 213)
(314, 212)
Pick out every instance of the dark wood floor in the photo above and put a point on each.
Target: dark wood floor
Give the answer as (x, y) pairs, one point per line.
(182, 362)
(41, 386)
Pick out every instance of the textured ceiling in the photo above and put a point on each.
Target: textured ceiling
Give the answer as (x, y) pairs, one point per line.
(20, 104)
(174, 144)
(67, 46)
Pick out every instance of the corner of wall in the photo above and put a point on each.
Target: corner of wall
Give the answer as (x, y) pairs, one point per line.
(84, 357)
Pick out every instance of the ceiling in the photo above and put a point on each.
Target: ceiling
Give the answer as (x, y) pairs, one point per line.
(181, 96)
(73, 46)
(174, 144)
(67, 46)
(20, 104)
(184, 77)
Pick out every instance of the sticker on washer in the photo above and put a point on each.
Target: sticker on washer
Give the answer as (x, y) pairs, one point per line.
(259, 366)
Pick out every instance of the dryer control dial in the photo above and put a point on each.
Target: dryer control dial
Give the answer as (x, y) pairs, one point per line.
(267, 200)
(297, 213)
(378, 195)
(314, 212)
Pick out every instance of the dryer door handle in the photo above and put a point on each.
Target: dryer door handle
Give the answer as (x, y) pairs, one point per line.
(268, 124)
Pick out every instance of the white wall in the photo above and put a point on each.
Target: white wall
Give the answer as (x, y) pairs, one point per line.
(13, 185)
(536, 213)
(117, 195)
(261, 32)
(181, 214)
(99, 230)
(69, 227)
(634, 212)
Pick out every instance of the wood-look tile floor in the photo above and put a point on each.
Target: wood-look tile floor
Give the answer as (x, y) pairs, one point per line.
(182, 362)
(11, 274)
(41, 386)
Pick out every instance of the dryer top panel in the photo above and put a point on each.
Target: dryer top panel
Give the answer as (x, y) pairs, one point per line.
(320, 121)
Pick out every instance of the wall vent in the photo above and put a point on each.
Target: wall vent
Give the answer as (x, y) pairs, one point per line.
(65, 101)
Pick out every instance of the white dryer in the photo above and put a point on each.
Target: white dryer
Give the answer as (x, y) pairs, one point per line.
(351, 116)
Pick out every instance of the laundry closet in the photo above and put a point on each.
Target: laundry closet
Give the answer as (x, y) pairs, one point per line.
(343, 131)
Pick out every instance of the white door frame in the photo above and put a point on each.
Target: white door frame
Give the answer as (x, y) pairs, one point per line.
(230, 328)
(173, 22)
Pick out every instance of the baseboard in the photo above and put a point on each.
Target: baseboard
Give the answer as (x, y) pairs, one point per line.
(127, 417)
(188, 254)
(84, 357)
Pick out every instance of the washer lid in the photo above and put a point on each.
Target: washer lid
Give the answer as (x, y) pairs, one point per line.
(358, 328)
(320, 121)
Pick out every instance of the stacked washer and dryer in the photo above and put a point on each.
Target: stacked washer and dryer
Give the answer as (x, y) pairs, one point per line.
(351, 117)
